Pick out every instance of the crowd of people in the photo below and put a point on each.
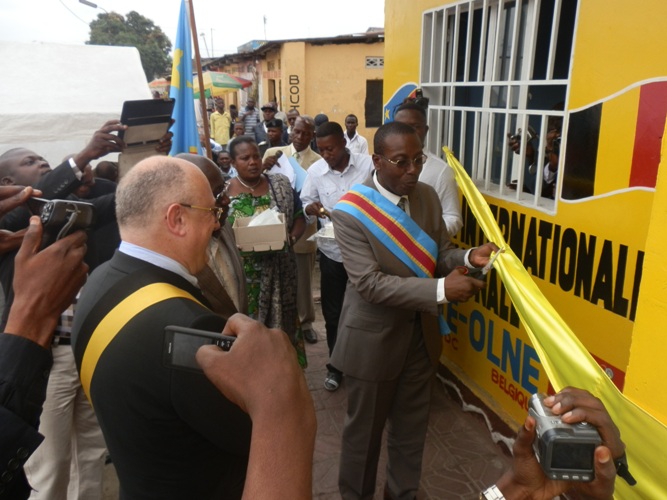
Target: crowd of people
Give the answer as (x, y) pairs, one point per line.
(162, 252)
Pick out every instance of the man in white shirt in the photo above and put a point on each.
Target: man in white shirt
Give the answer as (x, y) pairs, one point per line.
(328, 179)
(355, 142)
(436, 172)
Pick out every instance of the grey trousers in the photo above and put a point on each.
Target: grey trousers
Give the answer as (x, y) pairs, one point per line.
(404, 403)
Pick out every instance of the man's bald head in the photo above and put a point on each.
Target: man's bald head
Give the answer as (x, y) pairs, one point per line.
(148, 188)
(162, 205)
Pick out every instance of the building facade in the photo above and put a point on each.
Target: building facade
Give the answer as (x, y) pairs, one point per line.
(592, 73)
(336, 76)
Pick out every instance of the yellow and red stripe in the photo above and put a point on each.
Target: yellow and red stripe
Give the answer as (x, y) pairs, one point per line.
(397, 233)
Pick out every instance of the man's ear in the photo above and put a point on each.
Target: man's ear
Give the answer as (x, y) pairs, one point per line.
(376, 160)
(175, 220)
(7, 181)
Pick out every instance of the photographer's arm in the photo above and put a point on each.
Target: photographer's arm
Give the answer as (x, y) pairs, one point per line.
(103, 142)
(526, 480)
(45, 283)
(10, 198)
(278, 402)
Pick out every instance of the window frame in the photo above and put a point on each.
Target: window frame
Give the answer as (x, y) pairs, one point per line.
(463, 54)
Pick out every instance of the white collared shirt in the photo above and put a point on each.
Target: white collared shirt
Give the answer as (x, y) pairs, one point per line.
(358, 144)
(157, 259)
(327, 186)
(438, 174)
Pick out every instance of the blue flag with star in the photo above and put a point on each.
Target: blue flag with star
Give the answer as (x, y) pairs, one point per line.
(186, 135)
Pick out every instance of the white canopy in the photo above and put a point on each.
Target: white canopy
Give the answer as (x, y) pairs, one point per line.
(54, 97)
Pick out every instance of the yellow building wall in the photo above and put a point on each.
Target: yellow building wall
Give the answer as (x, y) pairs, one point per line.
(619, 43)
(336, 83)
(645, 382)
(293, 74)
(617, 47)
(328, 78)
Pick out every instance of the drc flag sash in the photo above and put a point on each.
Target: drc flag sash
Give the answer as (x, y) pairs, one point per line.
(393, 227)
(395, 230)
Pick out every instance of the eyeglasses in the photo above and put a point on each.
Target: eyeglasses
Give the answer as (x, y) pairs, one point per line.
(417, 161)
(216, 211)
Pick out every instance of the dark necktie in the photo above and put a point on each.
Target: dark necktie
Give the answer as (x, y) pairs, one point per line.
(401, 203)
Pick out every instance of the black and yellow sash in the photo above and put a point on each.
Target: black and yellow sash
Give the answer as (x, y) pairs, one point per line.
(106, 320)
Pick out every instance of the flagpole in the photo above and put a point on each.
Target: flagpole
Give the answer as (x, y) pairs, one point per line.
(200, 78)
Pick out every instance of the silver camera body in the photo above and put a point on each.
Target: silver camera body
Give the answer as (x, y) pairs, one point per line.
(62, 217)
(565, 451)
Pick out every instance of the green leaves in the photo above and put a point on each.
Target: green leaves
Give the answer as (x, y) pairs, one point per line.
(134, 30)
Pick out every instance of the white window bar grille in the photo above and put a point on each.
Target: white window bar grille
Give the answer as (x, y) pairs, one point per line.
(495, 69)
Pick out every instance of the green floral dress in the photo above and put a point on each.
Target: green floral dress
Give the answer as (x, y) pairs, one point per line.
(271, 276)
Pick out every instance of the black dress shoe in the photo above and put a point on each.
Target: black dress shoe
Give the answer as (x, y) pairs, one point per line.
(310, 336)
(332, 381)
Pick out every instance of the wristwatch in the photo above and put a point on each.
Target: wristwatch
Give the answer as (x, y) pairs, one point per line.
(491, 493)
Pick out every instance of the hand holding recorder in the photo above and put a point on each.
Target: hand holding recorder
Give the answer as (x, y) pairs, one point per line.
(260, 373)
(526, 478)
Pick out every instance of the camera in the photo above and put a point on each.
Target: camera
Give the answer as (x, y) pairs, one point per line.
(555, 146)
(418, 99)
(565, 451)
(181, 345)
(531, 134)
(61, 217)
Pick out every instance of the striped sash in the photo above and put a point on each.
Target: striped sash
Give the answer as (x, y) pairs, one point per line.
(401, 235)
(393, 228)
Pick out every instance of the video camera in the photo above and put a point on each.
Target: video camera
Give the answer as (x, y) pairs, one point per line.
(565, 451)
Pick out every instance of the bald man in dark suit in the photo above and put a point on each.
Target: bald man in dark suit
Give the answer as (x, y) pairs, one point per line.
(389, 337)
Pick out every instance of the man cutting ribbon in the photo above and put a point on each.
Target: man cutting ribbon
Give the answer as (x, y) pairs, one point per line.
(389, 338)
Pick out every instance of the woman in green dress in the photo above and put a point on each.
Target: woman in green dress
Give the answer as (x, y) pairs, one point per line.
(271, 276)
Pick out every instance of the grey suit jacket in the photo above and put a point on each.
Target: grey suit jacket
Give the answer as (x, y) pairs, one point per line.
(307, 156)
(383, 295)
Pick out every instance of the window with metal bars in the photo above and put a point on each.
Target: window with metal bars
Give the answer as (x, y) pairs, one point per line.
(497, 74)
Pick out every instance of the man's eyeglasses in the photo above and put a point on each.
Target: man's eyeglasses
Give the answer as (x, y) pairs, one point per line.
(217, 211)
(417, 161)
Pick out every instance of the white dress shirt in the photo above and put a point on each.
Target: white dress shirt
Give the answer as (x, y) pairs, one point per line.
(357, 144)
(327, 186)
(439, 175)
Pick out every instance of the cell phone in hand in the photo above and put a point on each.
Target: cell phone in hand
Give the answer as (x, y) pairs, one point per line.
(181, 345)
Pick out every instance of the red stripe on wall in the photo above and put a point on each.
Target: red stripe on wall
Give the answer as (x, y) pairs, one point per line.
(648, 136)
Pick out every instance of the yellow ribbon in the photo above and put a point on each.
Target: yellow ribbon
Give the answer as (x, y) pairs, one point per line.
(567, 362)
